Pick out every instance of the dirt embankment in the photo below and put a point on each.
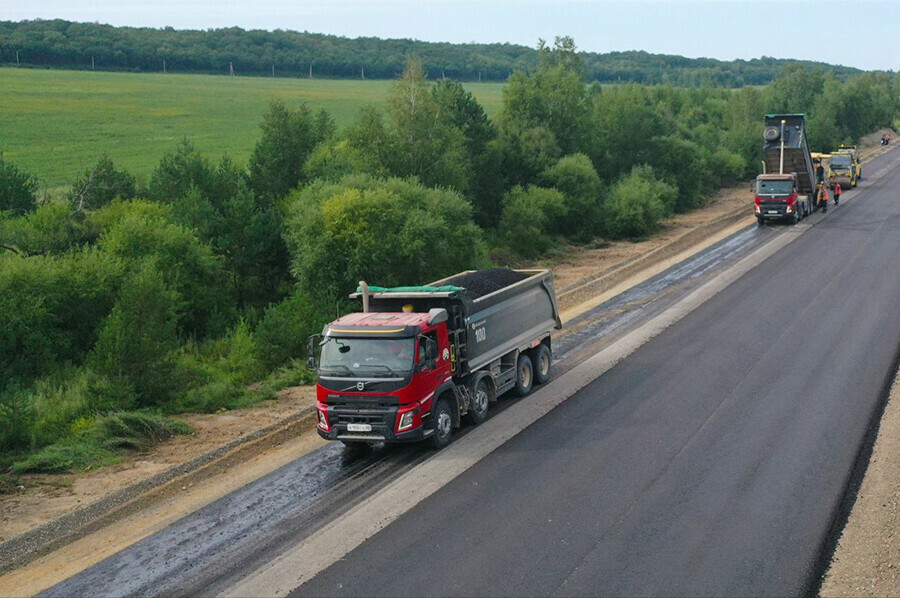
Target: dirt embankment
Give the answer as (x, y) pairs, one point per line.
(45, 497)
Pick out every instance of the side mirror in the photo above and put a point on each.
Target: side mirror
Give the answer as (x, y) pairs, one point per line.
(312, 363)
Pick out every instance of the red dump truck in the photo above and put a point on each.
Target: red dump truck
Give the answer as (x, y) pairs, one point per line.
(416, 360)
(788, 189)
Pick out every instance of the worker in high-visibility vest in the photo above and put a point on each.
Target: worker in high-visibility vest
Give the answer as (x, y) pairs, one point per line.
(823, 199)
(837, 193)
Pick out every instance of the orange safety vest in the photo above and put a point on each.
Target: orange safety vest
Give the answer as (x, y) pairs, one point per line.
(837, 188)
(824, 195)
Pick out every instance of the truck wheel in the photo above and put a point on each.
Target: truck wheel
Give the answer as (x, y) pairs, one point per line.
(443, 424)
(481, 398)
(760, 221)
(524, 376)
(541, 360)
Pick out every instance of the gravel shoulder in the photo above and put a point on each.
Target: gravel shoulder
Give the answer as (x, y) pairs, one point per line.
(866, 561)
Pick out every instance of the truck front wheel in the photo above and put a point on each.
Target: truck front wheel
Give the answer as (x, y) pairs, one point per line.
(524, 376)
(443, 424)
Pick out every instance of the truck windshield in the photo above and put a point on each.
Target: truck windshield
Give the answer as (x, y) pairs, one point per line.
(840, 161)
(370, 356)
(774, 187)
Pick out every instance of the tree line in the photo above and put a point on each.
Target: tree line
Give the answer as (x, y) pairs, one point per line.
(129, 300)
(64, 44)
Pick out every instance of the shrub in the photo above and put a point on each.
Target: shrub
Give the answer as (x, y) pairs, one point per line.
(334, 160)
(50, 309)
(637, 203)
(281, 334)
(530, 217)
(575, 176)
(136, 341)
(49, 229)
(101, 184)
(187, 265)
(16, 418)
(17, 189)
(100, 441)
(216, 373)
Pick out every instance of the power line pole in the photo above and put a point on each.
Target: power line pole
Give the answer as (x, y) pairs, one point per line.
(164, 65)
(362, 72)
(310, 70)
(231, 69)
(92, 63)
(273, 70)
(479, 76)
(17, 58)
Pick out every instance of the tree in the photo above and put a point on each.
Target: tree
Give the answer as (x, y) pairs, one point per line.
(101, 184)
(553, 97)
(138, 338)
(460, 109)
(390, 232)
(178, 171)
(188, 266)
(427, 145)
(288, 137)
(576, 178)
(637, 203)
(18, 189)
(531, 217)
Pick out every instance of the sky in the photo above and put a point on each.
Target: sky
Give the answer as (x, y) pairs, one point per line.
(859, 33)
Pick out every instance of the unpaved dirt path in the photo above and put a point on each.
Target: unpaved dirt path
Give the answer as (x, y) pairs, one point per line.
(48, 496)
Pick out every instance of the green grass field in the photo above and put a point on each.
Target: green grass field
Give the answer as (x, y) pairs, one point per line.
(57, 123)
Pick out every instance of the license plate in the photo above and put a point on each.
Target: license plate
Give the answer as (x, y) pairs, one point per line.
(773, 212)
(359, 427)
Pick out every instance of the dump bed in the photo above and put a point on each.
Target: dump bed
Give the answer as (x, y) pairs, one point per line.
(797, 157)
(491, 312)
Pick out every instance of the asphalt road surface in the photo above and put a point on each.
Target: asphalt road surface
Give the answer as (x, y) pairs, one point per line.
(710, 462)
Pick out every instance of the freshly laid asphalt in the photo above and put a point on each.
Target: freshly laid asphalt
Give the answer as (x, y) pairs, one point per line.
(712, 461)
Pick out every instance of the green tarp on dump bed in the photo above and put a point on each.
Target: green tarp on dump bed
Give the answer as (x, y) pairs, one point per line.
(442, 289)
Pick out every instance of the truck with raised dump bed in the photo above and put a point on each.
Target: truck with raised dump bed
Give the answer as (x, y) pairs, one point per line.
(416, 360)
(789, 185)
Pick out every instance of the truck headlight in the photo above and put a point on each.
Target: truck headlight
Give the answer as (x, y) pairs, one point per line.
(323, 420)
(406, 421)
(758, 211)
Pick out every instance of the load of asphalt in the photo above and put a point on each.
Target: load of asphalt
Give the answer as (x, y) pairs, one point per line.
(484, 282)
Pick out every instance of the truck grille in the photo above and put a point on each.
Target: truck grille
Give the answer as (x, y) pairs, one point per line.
(362, 401)
(359, 418)
(767, 206)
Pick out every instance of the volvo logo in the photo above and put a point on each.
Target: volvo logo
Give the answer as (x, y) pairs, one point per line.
(360, 385)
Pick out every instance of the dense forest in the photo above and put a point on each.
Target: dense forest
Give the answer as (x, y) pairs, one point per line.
(125, 302)
(63, 44)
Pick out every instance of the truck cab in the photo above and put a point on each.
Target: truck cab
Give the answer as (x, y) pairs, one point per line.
(378, 374)
(777, 197)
